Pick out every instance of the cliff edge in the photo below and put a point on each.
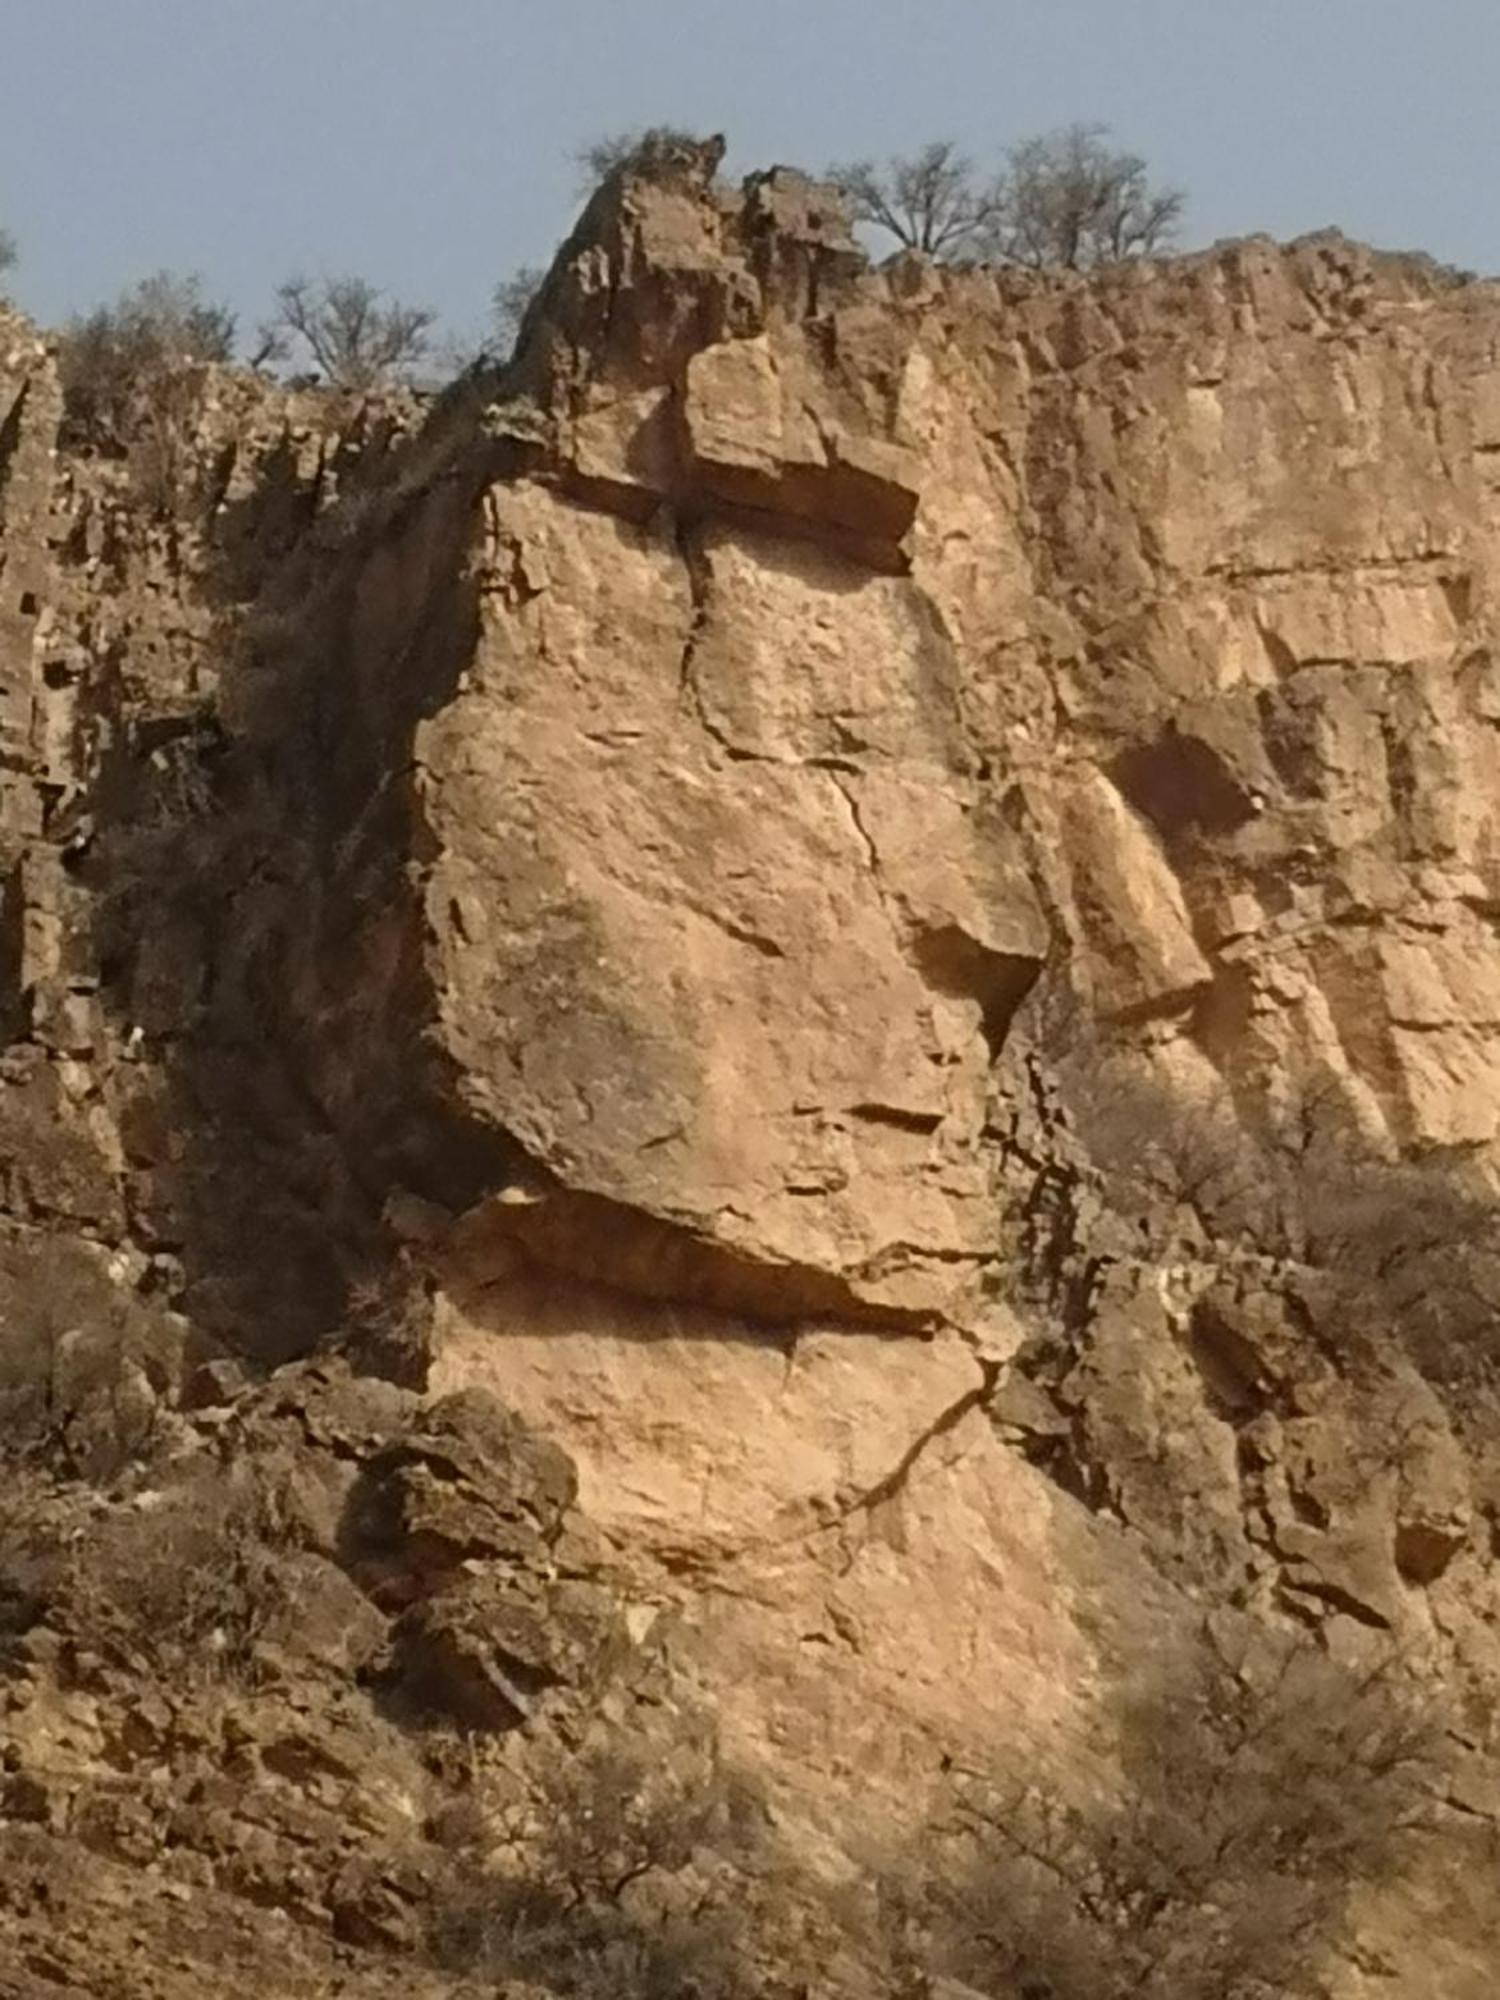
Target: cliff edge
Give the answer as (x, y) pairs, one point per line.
(748, 1138)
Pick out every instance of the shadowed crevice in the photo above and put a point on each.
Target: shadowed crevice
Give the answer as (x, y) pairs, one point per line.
(955, 964)
(589, 1239)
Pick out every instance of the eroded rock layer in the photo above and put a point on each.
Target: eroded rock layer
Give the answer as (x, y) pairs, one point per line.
(856, 909)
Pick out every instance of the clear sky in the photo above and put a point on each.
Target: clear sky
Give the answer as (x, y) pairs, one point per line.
(425, 143)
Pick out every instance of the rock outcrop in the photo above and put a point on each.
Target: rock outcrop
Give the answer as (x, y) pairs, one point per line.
(788, 1024)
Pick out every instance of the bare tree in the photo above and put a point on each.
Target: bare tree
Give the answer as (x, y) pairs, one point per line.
(1067, 198)
(930, 201)
(7, 250)
(354, 339)
(1064, 198)
(511, 302)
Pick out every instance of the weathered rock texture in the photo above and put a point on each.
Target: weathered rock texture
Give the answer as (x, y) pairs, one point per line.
(864, 898)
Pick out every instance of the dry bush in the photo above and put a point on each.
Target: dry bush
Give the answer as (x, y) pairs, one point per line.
(1174, 1173)
(83, 1364)
(1415, 1248)
(133, 375)
(598, 1951)
(1256, 1796)
(180, 1586)
(187, 1583)
(1157, 1150)
(607, 1821)
(657, 152)
(1409, 1248)
(389, 1318)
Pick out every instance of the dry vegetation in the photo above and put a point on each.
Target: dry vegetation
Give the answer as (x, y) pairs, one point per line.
(133, 377)
(651, 151)
(1411, 1246)
(1064, 198)
(133, 370)
(353, 337)
(1255, 1795)
(607, 1825)
(1257, 1788)
(180, 1582)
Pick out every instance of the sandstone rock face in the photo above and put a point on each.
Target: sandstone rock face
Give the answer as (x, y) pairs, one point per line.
(870, 896)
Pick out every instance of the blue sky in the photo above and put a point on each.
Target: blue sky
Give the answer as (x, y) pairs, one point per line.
(425, 143)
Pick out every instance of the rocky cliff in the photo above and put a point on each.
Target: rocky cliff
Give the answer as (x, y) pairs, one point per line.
(747, 1141)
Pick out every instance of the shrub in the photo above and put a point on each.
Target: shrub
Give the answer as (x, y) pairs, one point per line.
(605, 1821)
(184, 1585)
(1158, 1149)
(82, 1364)
(657, 152)
(117, 358)
(1415, 1248)
(133, 375)
(1257, 1794)
(1407, 1249)
(188, 1583)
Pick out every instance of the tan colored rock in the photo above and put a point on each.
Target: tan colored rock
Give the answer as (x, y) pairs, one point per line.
(1139, 947)
(651, 912)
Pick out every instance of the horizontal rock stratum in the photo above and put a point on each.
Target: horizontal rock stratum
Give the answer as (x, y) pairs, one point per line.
(747, 1221)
